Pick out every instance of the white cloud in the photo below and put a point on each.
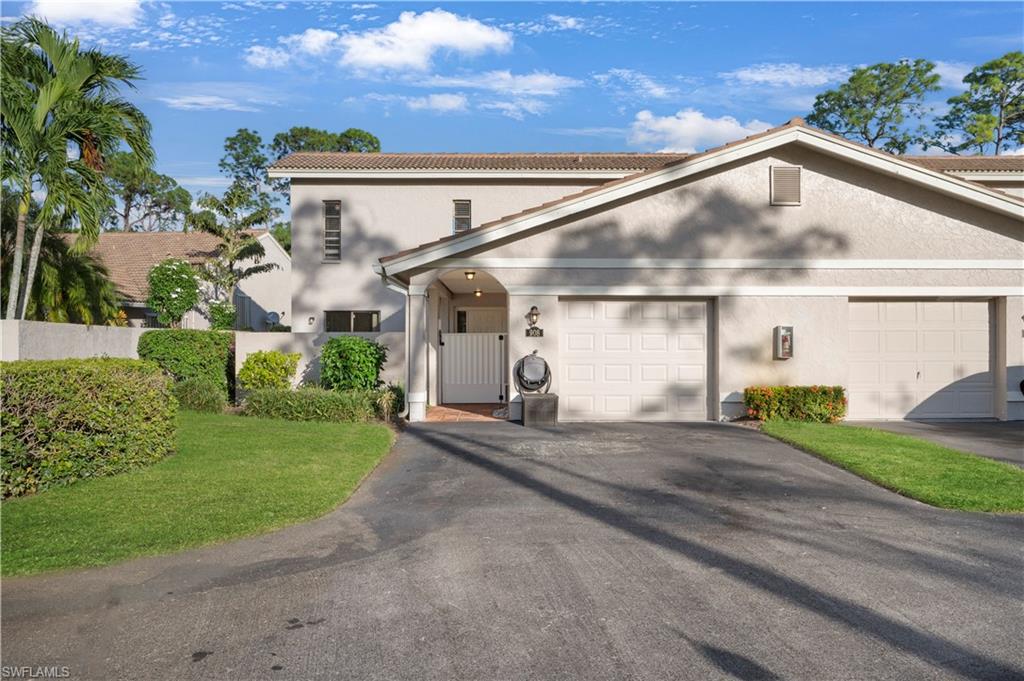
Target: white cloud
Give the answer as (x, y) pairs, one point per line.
(367, 5)
(627, 82)
(314, 41)
(788, 75)
(566, 23)
(205, 103)
(951, 73)
(444, 102)
(412, 41)
(689, 130)
(262, 57)
(121, 13)
(1019, 151)
(204, 181)
(518, 108)
(538, 83)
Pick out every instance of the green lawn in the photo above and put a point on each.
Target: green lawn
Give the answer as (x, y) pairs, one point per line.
(912, 467)
(232, 476)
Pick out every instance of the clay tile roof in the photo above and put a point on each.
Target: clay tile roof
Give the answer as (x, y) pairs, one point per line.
(991, 164)
(563, 161)
(128, 256)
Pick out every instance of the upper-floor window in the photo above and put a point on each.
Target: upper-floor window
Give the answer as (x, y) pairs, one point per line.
(332, 231)
(462, 215)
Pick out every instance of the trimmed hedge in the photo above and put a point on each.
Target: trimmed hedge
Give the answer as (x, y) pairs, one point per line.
(268, 369)
(312, 404)
(351, 363)
(818, 403)
(200, 394)
(189, 353)
(65, 420)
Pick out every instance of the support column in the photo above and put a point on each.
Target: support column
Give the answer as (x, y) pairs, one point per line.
(417, 359)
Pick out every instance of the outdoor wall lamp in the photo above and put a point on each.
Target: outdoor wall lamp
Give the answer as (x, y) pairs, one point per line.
(470, 274)
(782, 342)
(534, 316)
(311, 320)
(478, 293)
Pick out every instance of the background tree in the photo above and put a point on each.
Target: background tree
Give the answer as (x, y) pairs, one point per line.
(989, 116)
(282, 233)
(147, 200)
(246, 164)
(173, 290)
(877, 103)
(60, 116)
(300, 138)
(239, 253)
(72, 287)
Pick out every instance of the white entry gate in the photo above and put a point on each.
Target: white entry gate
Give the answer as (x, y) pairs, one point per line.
(472, 367)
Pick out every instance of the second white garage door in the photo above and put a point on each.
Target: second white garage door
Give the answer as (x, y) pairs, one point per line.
(627, 360)
(920, 359)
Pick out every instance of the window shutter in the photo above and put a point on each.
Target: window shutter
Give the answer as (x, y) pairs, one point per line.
(332, 231)
(785, 185)
(462, 215)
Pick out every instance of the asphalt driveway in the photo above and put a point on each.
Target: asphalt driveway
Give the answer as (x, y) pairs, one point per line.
(486, 551)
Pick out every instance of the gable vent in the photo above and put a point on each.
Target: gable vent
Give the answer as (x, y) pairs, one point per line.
(785, 186)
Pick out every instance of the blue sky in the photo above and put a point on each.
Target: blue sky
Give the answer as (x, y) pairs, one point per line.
(508, 76)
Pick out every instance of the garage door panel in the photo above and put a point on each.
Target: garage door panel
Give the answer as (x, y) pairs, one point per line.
(649, 360)
(919, 359)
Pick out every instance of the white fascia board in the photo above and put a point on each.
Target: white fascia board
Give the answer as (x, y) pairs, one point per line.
(727, 264)
(450, 174)
(948, 184)
(980, 175)
(911, 292)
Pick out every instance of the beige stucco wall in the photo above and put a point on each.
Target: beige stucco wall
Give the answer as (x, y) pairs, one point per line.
(48, 340)
(309, 346)
(847, 212)
(269, 291)
(380, 218)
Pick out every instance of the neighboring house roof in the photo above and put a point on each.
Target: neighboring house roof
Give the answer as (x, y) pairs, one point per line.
(971, 164)
(796, 130)
(129, 256)
(565, 161)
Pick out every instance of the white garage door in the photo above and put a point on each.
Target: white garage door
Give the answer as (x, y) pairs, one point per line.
(623, 360)
(919, 360)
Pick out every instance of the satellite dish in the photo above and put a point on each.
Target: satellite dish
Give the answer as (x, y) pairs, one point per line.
(273, 318)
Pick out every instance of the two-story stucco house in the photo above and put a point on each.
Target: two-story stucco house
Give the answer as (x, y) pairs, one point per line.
(664, 282)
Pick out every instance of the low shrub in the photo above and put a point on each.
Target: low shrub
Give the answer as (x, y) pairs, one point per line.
(65, 420)
(268, 369)
(819, 403)
(200, 394)
(390, 401)
(351, 363)
(188, 353)
(222, 316)
(312, 404)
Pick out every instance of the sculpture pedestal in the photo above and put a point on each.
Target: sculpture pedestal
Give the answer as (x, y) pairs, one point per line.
(540, 410)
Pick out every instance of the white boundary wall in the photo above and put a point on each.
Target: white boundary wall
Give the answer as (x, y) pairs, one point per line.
(49, 340)
(309, 346)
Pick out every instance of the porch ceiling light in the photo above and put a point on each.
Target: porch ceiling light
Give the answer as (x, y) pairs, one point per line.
(470, 274)
(534, 316)
(478, 293)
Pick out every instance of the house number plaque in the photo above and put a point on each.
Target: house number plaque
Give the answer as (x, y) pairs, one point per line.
(534, 332)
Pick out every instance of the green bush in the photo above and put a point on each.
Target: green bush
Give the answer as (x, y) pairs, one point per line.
(312, 404)
(268, 369)
(819, 403)
(64, 420)
(222, 316)
(200, 394)
(187, 353)
(351, 363)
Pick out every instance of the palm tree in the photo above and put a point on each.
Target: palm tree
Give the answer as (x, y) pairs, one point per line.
(61, 116)
(73, 287)
(229, 219)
